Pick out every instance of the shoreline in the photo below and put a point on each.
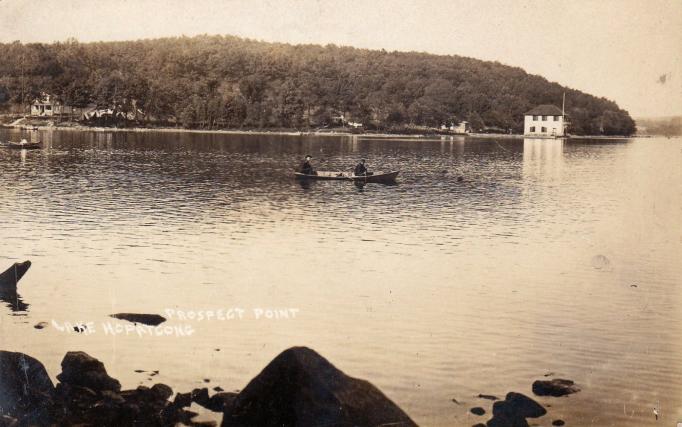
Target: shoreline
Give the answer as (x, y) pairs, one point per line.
(297, 382)
(81, 128)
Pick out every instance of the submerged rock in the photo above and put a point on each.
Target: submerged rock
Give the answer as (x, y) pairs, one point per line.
(513, 411)
(488, 397)
(145, 319)
(26, 391)
(477, 410)
(81, 369)
(300, 388)
(556, 387)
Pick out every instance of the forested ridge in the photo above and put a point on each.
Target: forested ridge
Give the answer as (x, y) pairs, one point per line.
(229, 82)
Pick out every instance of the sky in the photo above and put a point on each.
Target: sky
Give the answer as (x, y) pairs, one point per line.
(628, 51)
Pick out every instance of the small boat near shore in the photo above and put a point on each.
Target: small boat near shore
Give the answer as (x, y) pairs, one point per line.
(348, 176)
(23, 145)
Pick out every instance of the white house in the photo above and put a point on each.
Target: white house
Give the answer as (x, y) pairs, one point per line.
(47, 105)
(462, 127)
(544, 120)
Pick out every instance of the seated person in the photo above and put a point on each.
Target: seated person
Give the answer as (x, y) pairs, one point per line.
(360, 169)
(306, 168)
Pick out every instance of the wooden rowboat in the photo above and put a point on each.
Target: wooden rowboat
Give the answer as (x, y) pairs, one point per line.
(348, 176)
(24, 145)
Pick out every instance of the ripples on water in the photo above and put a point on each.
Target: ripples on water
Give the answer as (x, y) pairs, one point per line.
(433, 289)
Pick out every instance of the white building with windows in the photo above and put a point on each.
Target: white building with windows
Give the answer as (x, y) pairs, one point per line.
(461, 127)
(47, 105)
(545, 121)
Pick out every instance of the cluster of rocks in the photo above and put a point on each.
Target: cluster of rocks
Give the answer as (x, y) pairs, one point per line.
(299, 387)
(516, 407)
(84, 395)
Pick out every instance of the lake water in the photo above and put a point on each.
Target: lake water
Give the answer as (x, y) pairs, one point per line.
(549, 256)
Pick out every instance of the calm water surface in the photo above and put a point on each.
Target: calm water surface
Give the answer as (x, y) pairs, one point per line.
(559, 257)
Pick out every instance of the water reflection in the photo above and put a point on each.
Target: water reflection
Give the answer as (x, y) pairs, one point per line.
(543, 157)
(13, 300)
(489, 275)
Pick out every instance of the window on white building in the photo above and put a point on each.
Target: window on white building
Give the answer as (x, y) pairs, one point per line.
(544, 130)
(535, 118)
(532, 128)
(544, 118)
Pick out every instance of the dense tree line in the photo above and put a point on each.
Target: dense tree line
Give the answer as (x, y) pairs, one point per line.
(229, 82)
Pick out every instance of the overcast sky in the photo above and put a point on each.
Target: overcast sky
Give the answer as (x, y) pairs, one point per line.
(627, 50)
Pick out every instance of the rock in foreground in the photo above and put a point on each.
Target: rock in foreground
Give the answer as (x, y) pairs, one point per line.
(82, 370)
(26, 391)
(87, 395)
(301, 388)
(556, 387)
(513, 411)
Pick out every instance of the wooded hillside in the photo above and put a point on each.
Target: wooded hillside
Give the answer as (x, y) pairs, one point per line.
(229, 82)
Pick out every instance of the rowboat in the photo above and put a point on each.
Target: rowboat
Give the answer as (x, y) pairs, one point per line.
(348, 176)
(23, 145)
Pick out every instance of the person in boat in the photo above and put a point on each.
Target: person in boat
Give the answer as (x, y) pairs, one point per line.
(306, 168)
(360, 169)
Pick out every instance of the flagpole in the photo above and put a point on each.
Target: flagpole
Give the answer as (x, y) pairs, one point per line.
(563, 115)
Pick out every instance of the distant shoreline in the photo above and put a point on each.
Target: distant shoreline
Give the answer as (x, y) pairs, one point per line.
(82, 128)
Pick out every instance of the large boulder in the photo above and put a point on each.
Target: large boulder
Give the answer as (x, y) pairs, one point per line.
(556, 387)
(301, 388)
(26, 391)
(81, 369)
(12, 275)
(513, 411)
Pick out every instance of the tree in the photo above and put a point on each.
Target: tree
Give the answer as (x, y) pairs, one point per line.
(224, 81)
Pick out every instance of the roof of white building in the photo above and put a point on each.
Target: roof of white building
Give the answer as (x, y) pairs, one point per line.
(545, 110)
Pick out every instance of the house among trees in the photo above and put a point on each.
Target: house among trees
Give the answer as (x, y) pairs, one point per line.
(341, 119)
(48, 105)
(544, 120)
(461, 127)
